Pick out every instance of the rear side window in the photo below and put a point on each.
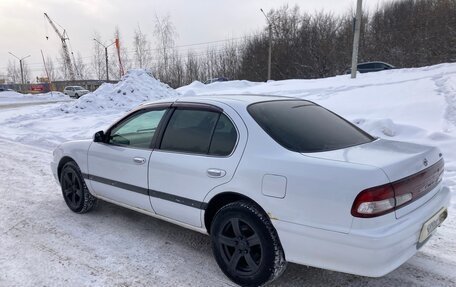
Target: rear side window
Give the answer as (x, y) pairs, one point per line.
(199, 132)
(224, 137)
(302, 126)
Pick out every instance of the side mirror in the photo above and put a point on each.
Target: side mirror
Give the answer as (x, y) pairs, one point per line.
(99, 136)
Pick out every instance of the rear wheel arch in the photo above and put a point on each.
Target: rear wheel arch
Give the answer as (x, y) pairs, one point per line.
(219, 201)
(246, 245)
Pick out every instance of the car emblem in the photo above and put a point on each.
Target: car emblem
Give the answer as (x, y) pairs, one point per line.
(425, 162)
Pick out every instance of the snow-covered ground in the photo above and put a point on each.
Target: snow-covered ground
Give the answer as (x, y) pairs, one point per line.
(9, 98)
(44, 244)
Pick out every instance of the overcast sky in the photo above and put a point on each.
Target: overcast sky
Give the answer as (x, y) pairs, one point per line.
(23, 27)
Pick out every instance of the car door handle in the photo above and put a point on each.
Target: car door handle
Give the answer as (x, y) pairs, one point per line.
(215, 172)
(139, 160)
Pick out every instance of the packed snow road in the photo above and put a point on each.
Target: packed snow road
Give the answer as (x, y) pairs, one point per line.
(44, 244)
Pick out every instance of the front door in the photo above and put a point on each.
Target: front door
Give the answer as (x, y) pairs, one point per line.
(118, 167)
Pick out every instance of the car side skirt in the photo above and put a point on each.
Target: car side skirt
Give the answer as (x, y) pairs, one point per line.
(153, 193)
(146, 212)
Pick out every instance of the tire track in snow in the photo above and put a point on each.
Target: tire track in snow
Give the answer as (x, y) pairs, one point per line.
(445, 89)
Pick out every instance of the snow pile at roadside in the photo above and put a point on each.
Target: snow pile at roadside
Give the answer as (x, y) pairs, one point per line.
(135, 87)
(12, 97)
(48, 126)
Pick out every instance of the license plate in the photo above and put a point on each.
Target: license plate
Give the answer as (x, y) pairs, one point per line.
(430, 225)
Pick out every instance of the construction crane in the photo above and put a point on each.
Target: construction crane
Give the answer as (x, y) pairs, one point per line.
(66, 55)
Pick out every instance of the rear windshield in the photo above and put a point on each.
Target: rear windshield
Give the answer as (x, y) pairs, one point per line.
(303, 126)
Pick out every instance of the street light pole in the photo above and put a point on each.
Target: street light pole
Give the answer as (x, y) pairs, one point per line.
(106, 56)
(270, 44)
(20, 64)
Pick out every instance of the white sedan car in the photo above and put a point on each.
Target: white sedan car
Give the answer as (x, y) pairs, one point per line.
(271, 179)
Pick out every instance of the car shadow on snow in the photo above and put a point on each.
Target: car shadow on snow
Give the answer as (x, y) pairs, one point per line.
(194, 250)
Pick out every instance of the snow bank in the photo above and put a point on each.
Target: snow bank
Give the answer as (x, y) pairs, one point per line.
(12, 97)
(135, 87)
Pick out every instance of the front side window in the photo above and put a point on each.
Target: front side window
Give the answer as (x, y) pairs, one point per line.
(302, 126)
(199, 132)
(138, 130)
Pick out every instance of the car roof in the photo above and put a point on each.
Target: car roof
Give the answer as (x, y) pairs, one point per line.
(238, 99)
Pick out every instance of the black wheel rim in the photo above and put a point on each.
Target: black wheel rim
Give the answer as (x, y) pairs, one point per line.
(72, 188)
(240, 247)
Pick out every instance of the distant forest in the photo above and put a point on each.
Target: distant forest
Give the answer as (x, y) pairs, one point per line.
(404, 33)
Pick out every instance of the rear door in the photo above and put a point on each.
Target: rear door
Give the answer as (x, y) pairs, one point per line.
(199, 150)
(118, 168)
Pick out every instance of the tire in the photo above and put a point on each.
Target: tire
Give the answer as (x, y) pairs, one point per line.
(74, 190)
(76, 96)
(246, 245)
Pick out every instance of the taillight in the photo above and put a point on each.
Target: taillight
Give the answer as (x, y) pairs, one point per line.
(374, 201)
(386, 198)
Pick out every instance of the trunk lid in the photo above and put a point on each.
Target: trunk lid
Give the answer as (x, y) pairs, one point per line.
(401, 162)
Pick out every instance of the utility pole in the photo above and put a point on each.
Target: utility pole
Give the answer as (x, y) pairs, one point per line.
(20, 64)
(270, 44)
(106, 56)
(359, 10)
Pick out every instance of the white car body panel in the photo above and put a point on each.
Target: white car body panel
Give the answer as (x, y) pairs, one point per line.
(311, 209)
(76, 150)
(117, 163)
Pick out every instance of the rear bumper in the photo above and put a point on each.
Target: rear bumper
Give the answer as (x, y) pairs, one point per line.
(365, 252)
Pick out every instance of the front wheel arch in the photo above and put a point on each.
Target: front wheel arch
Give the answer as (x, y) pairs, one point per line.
(62, 163)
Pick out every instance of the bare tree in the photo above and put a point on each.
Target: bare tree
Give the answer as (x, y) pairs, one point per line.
(81, 68)
(63, 68)
(165, 34)
(13, 72)
(192, 68)
(142, 49)
(26, 71)
(51, 69)
(98, 58)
